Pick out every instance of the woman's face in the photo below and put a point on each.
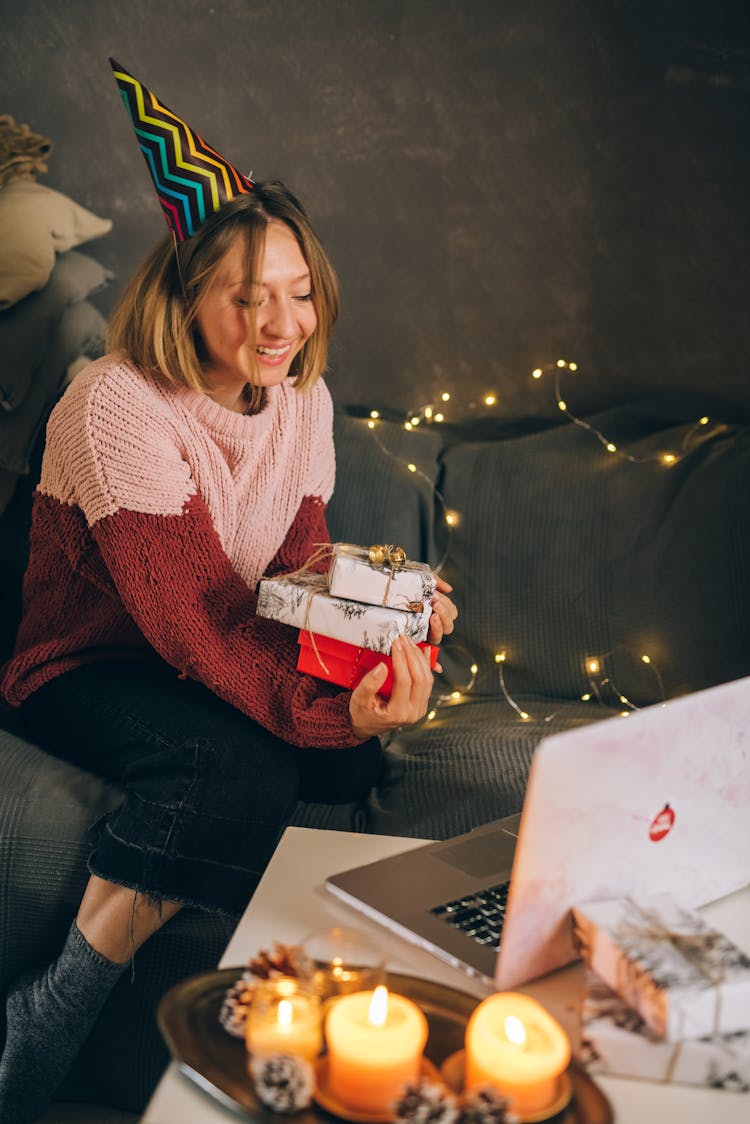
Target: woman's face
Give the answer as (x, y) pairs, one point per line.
(284, 312)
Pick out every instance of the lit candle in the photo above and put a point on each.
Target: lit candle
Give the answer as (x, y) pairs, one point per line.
(375, 1043)
(284, 1019)
(513, 1044)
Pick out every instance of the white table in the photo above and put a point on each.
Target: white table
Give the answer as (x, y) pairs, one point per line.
(290, 903)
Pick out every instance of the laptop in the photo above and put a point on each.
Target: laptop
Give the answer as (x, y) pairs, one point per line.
(658, 802)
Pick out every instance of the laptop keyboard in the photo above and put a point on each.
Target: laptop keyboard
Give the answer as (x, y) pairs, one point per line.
(480, 915)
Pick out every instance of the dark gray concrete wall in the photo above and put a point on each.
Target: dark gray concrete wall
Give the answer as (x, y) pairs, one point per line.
(498, 182)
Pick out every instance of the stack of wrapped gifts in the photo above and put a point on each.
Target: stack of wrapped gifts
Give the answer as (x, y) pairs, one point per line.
(349, 617)
(667, 997)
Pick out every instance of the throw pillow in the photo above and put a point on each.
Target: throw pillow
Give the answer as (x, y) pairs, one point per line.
(35, 223)
(26, 328)
(566, 553)
(378, 498)
(79, 331)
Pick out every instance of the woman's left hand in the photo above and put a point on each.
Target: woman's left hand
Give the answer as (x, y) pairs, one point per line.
(444, 613)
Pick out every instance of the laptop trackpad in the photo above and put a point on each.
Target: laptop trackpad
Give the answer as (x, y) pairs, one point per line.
(480, 856)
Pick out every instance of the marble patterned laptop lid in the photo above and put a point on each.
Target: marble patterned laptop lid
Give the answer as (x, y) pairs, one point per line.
(656, 802)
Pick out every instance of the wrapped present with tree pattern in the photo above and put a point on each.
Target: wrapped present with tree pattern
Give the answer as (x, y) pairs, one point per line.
(615, 1040)
(685, 979)
(303, 600)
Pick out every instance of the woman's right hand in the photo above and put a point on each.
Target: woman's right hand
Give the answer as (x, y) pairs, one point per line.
(371, 714)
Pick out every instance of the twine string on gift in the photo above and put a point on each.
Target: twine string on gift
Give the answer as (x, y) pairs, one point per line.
(693, 947)
(387, 558)
(323, 550)
(310, 632)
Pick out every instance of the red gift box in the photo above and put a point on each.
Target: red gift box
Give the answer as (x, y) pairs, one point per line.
(345, 664)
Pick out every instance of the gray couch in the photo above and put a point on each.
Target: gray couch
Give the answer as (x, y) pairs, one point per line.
(560, 552)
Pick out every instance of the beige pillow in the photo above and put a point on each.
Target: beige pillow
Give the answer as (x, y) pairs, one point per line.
(35, 223)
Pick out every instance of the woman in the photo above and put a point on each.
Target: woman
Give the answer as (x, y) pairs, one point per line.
(180, 468)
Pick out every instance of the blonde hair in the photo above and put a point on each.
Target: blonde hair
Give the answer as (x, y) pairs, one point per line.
(154, 319)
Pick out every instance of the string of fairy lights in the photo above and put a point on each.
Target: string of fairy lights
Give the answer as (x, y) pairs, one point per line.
(596, 669)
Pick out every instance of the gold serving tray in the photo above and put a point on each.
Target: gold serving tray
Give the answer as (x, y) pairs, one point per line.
(188, 1018)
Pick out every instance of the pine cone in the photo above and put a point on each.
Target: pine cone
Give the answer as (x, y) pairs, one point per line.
(283, 1083)
(426, 1103)
(285, 960)
(486, 1106)
(235, 1007)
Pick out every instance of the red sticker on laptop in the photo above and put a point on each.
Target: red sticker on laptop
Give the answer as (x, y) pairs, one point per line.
(661, 824)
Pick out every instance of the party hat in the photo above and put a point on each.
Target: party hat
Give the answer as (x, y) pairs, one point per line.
(191, 179)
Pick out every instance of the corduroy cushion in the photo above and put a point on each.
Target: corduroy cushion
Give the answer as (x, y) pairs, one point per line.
(565, 551)
(42, 868)
(465, 767)
(377, 498)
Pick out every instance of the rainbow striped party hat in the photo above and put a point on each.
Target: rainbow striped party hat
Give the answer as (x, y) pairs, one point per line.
(191, 179)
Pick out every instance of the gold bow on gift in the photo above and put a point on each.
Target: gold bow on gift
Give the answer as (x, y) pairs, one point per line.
(393, 556)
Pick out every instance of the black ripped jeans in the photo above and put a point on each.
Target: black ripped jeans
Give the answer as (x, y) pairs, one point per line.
(208, 791)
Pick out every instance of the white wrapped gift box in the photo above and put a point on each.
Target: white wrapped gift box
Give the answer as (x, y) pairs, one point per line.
(305, 602)
(354, 576)
(685, 979)
(615, 1039)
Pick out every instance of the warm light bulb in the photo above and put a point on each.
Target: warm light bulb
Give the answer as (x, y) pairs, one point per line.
(428, 411)
(412, 467)
(524, 716)
(611, 448)
(586, 698)
(514, 1030)
(455, 694)
(537, 373)
(572, 366)
(371, 425)
(409, 426)
(561, 363)
(490, 399)
(439, 417)
(452, 518)
(592, 666)
(624, 700)
(624, 714)
(561, 405)
(414, 420)
(500, 657)
(284, 1013)
(704, 421)
(668, 458)
(431, 715)
(445, 396)
(646, 659)
(473, 669)
(374, 413)
(378, 1012)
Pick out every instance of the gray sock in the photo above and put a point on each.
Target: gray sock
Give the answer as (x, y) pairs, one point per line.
(50, 1015)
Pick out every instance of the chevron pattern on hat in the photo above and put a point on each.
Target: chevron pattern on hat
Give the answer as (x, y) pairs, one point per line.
(191, 179)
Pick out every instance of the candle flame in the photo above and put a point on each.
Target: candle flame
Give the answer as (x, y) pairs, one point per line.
(284, 1013)
(378, 1012)
(514, 1030)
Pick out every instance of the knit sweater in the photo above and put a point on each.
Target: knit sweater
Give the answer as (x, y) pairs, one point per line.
(156, 514)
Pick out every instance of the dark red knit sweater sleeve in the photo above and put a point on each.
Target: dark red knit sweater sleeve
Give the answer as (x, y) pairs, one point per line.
(307, 533)
(180, 588)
